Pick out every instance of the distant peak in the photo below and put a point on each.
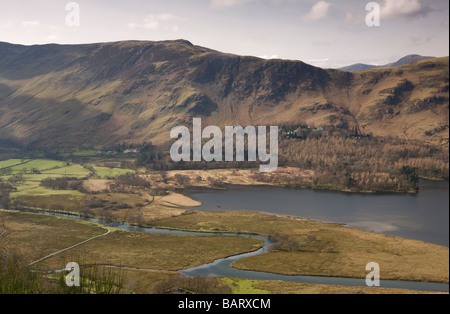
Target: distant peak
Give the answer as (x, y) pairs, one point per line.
(402, 61)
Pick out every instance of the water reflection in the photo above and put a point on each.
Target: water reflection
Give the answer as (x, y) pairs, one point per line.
(424, 216)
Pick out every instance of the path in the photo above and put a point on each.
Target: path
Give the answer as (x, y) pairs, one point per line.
(71, 247)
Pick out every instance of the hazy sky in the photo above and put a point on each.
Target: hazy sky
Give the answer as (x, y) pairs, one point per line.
(326, 33)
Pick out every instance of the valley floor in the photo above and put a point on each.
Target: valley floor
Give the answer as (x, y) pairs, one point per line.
(303, 247)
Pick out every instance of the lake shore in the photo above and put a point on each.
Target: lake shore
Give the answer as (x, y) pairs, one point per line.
(288, 177)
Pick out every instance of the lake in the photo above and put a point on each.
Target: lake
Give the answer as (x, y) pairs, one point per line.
(424, 216)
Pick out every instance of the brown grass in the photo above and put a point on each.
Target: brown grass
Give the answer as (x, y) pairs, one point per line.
(279, 287)
(235, 176)
(335, 251)
(157, 251)
(96, 185)
(40, 235)
(36, 236)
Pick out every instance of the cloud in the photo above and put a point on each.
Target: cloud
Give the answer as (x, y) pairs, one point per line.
(354, 19)
(418, 41)
(223, 4)
(269, 57)
(6, 24)
(53, 38)
(321, 43)
(30, 23)
(156, 22)
(319, 62)
(391, 9)
(318, 12)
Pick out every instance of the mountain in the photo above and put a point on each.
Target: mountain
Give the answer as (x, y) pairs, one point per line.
(358, 67)
(133, 91)
(407, 60)
(403, 61)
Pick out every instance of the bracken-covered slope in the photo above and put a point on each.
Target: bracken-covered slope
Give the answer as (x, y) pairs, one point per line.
(101, 94)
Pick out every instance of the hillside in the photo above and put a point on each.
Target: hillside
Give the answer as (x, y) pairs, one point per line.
(101, 94)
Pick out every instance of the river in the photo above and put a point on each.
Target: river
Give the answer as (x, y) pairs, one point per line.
(222, 267)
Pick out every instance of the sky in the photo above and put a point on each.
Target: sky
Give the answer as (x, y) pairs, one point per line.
(324, 33)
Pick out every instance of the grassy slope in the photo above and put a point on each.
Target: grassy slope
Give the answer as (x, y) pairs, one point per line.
(138, 91)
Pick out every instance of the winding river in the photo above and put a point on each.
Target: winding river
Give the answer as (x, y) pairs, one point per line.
(222, 267)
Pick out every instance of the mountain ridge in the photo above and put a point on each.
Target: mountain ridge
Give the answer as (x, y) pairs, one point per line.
(134, 91)
(402, 61)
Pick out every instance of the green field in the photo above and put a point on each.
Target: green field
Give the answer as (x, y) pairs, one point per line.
(106, 172)
(76, 171)
(11, 162)
(39, 164)
(81, 153)
(33, 171)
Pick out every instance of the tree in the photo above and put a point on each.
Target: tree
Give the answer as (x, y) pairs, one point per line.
(130, 180)
(348, 180)
(182, 179)
(411, 176)
(5, 201)
(16, 277)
